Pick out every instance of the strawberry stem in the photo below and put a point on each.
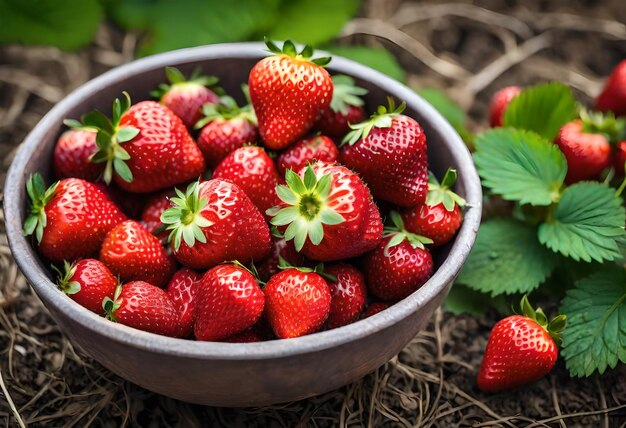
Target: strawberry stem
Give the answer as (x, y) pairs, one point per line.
(318, 269)
(554, 327)
(178, 79)
(398, 234)
(381, 119)
(226, 108)
(345, 94)
(110, 306)
(36, 220)
(289, 49)
(65, 285)
(441, 193)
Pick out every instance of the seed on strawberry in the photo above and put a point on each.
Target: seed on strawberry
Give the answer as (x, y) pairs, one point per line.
(305, 151)
(613, 95)
(72, 152)
(152, 212)
(346, 107)
(87, 282)
(499, 103)
(376, 307)
(348, 293)
(182, 289)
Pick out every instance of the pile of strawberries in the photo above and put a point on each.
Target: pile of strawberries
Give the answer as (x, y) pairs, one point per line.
(139, 233)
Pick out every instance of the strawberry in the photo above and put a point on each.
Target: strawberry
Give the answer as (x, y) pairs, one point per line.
(521, 349)
(143, 306)
(499, 103)
(613, 95)
(328, 212)
(281, 249)
(152, 211)
(399, 265)
(254, 172)
(182, 289)
(375, 307)
(229, 301)
(69, 219)
(186, 97)
(297, 302)
(619, 158)
(72, 152)
(213, 222)
(87, 282)
(134, 254)
(259, 332)
(345, 108)
(145, 148)
(389, 152)
(305, 151)
(288, 90)
(131, 204)
(440, 217)
(348, 292)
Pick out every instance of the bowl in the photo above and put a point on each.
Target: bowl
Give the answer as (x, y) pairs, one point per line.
(239, 374)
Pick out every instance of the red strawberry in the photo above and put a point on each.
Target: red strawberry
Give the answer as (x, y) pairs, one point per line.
(440, 217)
(521, 350)
(143, 306)
(619, 158)
(134, 254)
(88, 282)
(376, 307)
(288, 92)
(214, 222)
(281, 248)
(259, 332)
(70, 219)
(399, 265)
(345, 108)
(348, 294)
(305, 151)
(186, 97)
(389, 152)
(72, 152)
(152, 211)
(613, 96)
(499, 103)
(328, 212)
(229, 302)
(131, 204)
(254, 172)
(182, 289)
(297, 302)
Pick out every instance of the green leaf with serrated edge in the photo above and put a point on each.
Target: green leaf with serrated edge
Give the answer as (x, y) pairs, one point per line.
(507, 258)
(595, 336)
(126, 133)
(444, 105)
(520, 165)
(586, 223)
(377, 58)
(543, 109)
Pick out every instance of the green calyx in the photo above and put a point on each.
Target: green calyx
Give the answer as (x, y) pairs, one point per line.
(39, 195)
(226, 108)
(110, 306)
(441, 193)
(184, 219)
(305, 208)
(381, 119)
(606, 124)
(178, 79)
(398, 234)
(289, 49)
(64, 277)
(554, 327)
(318, 269)
(345, 94)
(252, 270)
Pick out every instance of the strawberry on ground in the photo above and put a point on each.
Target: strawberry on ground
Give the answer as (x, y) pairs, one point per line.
(87, 282)
(348, 293)
(182, 289)
(499, 103)
(305, 151)
(152, 212)
(346, 107)
(613, 95)
(375, 307)
(72, 152)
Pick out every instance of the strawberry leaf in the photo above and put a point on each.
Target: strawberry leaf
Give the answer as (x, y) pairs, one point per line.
(464, 300)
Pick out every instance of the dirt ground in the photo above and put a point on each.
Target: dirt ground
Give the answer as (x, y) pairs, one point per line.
(468, 49)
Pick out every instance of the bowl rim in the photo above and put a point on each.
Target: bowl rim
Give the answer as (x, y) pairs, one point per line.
(51, 295)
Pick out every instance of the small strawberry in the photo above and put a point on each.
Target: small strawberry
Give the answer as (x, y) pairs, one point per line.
(288, 90)
(229, 301)
(73, 151)
(521, 349)
(376, 307)
(186, 97)
(152, 212)
(69, 219)
(281, 248)
(87, 282)
(297, 302)
(134, 254)
(143, 306)
(345, 108)
(440, 217)
(619, 158)
(328, 212)
(348, 293)
(213, 222)
(399, 265)
(389, 152)
(305, 151)
(182, 289)
(499, 103)
(613, 95)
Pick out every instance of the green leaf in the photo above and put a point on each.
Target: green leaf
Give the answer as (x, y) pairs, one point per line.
(444, 105)
(378, 58)
(586, 224)
(67, 24)
(507, 258)
(520, 166)
(464, 300)
(595, 335)
(543, 109)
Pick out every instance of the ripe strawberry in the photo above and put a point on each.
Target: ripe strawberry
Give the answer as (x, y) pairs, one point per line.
(214, 222)
(131, 204)
(145, 148)
(399, 265)
(152, 212)
(521, 349)
(281, 248)
(229, 301)
(182, 289)
(389, 152)
(259, 332)
(328, 212)
(186, 97)
(143, 306)
(297, 302)
(348, 293)
(376, 307)
(440, 217)
(613, 96)
(254, 172)
(305, 151)
(72, 152)
(87, 282)
(345, 108)
(619, 158)
(499, 103)
(288, 92)
(134, 254)
(70, 219)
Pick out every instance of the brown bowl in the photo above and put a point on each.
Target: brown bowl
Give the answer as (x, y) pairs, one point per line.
(247, 374)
